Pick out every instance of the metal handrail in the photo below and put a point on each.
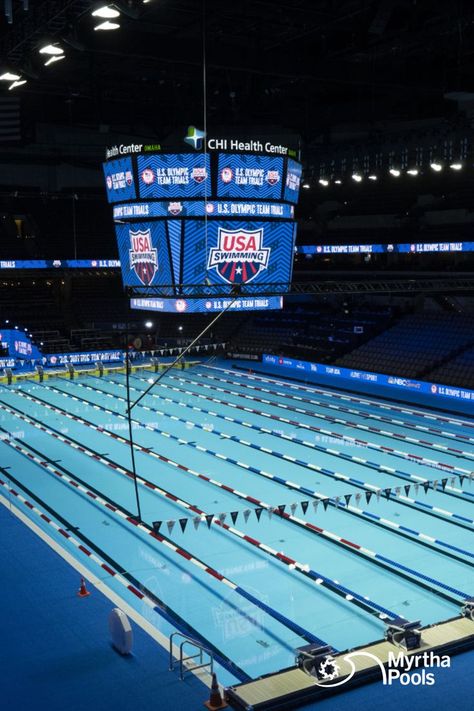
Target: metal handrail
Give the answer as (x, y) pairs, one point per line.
(182, 659)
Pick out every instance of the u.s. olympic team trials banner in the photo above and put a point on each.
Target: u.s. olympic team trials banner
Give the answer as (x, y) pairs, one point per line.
(362, 376)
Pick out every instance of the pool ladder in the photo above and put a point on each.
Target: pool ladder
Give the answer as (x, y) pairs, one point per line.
(182, 659)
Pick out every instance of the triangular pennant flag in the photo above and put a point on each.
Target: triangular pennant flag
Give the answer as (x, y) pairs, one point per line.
(426, 486)
(435, 484)
(398, 491)
(461, 479)
(443, 483)
(170, 525)
(368, 496)
(258, 512)
(222, 517)
(387, 493)
(358, 497)
(281, 509)
(183, 522)
(315, 505)
(209, 518)
(270, 512)
(407, 489)
(246, 515)
(417, 488)
(234, 515)
(157, 526)
(293, 508)
(453, 481)
(377, 494)
(304, 506)
(196, 522)
(347, 498)
(325, 504)
(337, 500)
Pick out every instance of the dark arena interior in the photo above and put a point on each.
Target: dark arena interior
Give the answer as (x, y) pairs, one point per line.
(236, 354)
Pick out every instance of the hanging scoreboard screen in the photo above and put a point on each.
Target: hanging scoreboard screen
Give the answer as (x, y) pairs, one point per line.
(214, 219)
(249, 176)
(173, 175)
(119, 180)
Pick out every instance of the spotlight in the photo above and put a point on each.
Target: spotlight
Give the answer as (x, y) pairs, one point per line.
(453, 166)
(357, 177)
(323, 181)
(373, 177)
(413, 171)
(106, 12)
(395, 172)
(16, 83)
(338, 182)
(306, 186)
(180, 328)
(148, 324)
(107, 26)
(54, 58)
(51, 48)
(9, 76)
(437, 167)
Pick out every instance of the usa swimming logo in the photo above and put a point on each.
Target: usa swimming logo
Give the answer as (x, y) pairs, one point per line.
(239, 256)
(143, 256)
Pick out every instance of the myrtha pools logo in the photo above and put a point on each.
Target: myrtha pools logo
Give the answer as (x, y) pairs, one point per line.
(143, 256)
(406, 670)
(239, 256)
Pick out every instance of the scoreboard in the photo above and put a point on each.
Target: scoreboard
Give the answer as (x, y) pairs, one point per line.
(216, 219)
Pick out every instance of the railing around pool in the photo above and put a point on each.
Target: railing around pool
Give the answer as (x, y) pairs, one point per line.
(182, 659)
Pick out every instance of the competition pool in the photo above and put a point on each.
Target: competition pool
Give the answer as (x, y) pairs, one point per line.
(284, 514)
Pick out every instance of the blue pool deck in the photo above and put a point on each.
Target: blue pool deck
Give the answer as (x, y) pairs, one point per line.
(55, 652)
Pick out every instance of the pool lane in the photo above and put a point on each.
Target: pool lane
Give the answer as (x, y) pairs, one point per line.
(430, 417)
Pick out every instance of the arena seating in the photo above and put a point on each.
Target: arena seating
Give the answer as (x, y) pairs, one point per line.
(458, 371)
(414, 346)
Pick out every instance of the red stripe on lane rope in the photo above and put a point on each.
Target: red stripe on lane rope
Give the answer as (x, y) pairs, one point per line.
(135, 592)
(349, 543)
(107, 569)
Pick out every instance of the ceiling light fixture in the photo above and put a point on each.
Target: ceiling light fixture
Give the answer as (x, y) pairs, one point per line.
(453, 166)
(16, 83)
(54, 58)
(51, 48)
(9, 76)
(324, 182)
(437, 167)
(395, 172)
(357, 177)
(107, 12)
(413, 171)
(373, 177)
(107, 26)
(305, 186)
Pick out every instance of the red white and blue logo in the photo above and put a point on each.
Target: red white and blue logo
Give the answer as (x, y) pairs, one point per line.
(239, 256)
(143, 256)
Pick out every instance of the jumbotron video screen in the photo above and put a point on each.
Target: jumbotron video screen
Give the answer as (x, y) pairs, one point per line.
(215, 219)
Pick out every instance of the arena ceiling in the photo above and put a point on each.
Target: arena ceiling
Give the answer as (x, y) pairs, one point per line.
(301, 64)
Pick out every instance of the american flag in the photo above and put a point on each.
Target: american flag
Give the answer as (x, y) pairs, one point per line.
(10, 124)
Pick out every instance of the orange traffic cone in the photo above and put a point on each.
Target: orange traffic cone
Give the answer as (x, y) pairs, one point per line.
(83, 591)
(215, 700)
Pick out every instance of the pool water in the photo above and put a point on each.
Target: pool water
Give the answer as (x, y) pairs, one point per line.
(357, 540)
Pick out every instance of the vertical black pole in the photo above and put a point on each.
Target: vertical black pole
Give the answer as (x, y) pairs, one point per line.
(129, 417)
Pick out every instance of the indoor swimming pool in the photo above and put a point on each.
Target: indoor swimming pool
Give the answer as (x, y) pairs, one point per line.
(273, 514)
